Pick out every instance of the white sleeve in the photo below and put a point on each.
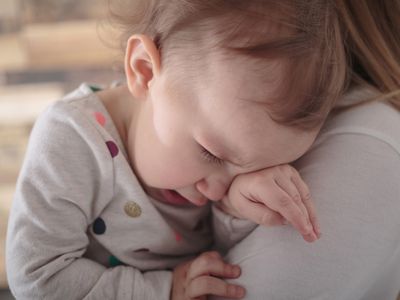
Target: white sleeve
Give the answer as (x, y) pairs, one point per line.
(355, 184)
(63, 185)
(228, 230)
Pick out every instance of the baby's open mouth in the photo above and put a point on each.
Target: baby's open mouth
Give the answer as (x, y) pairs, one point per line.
(173, 197)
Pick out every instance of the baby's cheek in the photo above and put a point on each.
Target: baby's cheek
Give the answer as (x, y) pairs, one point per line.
(165, 126)
(168, 155)
(177, 173)
(162, 168)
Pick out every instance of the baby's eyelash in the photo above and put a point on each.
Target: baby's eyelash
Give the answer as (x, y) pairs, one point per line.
(209, 157)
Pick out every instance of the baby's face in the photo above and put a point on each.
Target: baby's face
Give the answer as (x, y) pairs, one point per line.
(221, 113)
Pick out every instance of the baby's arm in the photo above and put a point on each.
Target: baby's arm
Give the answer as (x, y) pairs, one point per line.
(229, 230)
(52, 209)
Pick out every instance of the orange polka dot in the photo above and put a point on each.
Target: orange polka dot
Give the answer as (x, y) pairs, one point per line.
(100, 118)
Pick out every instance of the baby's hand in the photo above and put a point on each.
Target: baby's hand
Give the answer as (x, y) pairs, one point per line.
(273, 196)
(201, 276)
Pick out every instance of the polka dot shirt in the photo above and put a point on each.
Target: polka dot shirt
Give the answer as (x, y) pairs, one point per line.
(79, 201)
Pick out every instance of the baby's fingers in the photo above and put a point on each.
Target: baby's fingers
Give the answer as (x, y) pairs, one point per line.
(211, 263)
(306, 198)
(258, 212)
(292, 207)
(207, 285)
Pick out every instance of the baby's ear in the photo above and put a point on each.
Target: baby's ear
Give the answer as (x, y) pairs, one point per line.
(142, 64)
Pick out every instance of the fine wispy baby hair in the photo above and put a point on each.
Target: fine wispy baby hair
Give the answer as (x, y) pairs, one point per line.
(302, 38)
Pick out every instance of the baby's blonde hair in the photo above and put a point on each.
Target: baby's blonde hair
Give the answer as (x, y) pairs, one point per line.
(306, 37)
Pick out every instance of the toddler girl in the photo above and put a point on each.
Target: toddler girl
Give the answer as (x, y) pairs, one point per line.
(113, 199)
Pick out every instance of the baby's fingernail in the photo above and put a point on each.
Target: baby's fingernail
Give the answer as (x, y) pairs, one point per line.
(235, 271)
(311, 237)
(237, 291)
(314, 236)
(241, 292)
(318, 229)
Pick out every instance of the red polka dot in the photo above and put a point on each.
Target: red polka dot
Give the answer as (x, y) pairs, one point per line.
(178, 237)
(100, 118)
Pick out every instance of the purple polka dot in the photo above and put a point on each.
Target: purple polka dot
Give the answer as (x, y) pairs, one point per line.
(113, 148)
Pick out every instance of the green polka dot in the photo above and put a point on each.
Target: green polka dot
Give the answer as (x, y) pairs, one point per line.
(95, 88)
(113, 261)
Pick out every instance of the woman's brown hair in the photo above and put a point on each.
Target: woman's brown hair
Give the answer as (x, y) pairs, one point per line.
(372, 39)
(316, 41)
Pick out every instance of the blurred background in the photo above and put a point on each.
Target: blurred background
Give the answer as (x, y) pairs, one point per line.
(47, 48)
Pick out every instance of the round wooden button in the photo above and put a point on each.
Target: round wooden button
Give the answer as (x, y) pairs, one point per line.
(132, 209)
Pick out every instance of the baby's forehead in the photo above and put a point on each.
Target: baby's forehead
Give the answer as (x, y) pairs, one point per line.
(237, 124)
(243, 78)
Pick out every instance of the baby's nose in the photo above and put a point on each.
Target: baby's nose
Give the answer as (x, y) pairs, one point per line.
(214, 190)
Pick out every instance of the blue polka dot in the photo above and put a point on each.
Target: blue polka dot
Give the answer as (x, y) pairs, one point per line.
(99, 226)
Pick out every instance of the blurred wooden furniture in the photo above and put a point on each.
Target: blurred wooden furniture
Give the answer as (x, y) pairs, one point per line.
(46, 47)
(65, 45)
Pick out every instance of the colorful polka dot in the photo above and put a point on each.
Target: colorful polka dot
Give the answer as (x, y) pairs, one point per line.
(178, 237)
(113, 261)
(113, 148)
(142, 250)
(132, 209)
(100, 118)
(99, 226)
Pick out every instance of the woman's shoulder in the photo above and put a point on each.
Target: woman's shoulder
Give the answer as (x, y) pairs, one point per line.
(352, 172)
(377, 119)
